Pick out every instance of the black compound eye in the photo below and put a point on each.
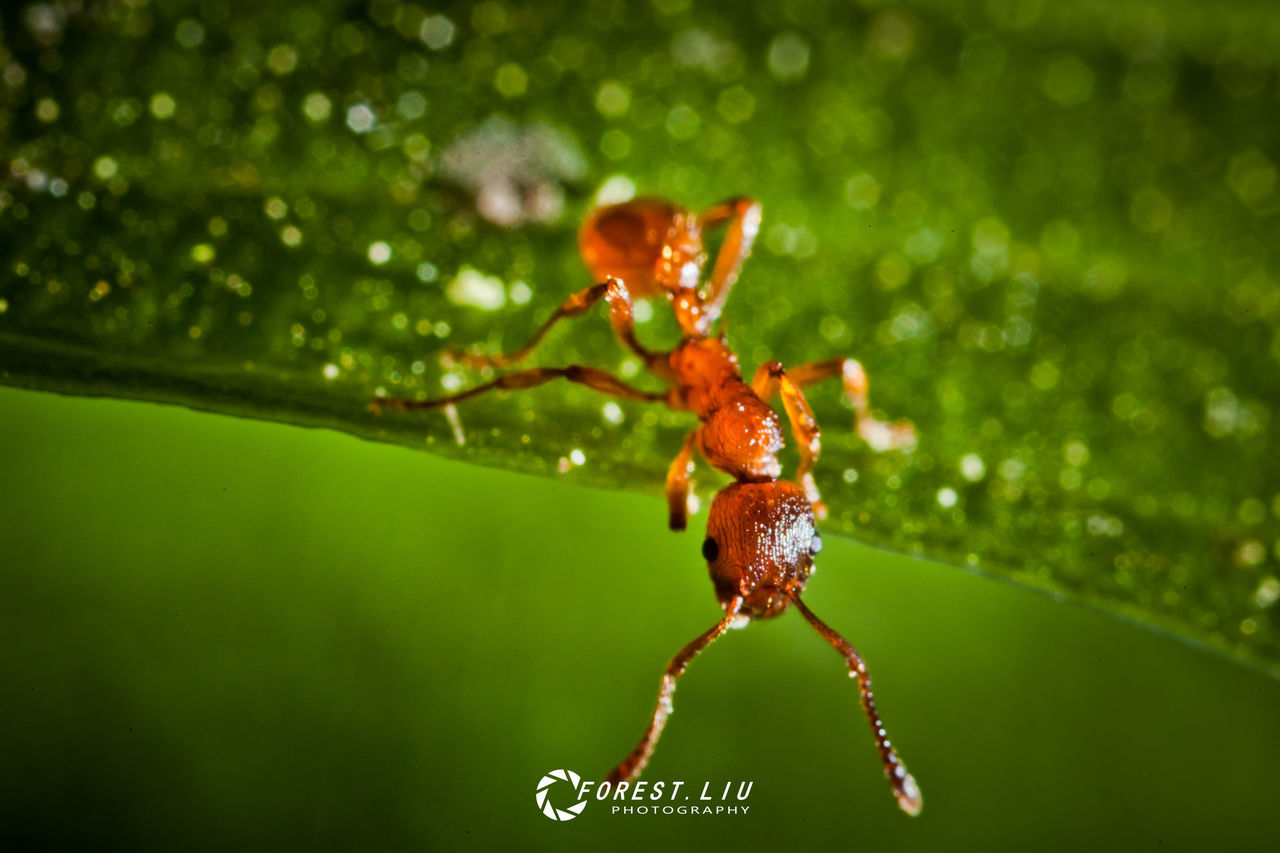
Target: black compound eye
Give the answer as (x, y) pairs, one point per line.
(710, 550)
(816, 544)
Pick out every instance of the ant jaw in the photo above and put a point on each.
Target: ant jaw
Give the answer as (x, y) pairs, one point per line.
(766, 602)
(756, 602)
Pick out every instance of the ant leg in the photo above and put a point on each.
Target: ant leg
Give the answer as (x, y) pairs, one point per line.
(770, 378)
(621, 316)
(597, 380)
(897, 435)
(631, 766)
(904, 784)
(678, 484)
(743, 216)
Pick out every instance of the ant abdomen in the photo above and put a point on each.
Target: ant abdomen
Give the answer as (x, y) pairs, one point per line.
(651, 245)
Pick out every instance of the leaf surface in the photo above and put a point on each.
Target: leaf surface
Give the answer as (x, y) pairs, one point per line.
(1049, 234)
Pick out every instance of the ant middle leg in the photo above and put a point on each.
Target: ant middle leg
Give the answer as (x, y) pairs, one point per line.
(771, 379)
(621, 317)
(743, 216)
(593, 378)
(678, 484)
(880, 435)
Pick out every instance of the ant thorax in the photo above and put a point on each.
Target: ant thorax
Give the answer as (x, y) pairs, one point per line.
(760, 545)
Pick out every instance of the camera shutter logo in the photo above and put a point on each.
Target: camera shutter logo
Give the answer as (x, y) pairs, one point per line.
(544, 801)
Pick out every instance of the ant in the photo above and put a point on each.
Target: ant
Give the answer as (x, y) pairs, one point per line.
(761, 540)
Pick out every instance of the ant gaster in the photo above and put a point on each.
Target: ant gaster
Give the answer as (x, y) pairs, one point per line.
(761, 539)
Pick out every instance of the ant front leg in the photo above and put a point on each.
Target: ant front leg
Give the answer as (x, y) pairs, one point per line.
(880, 435)
(678, 484)
(905, 789)
(770, 378)
(621, 317)
(743, 216)
(596, 380)
(630, 767)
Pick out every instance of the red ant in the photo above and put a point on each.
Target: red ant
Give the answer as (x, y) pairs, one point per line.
(761, 539)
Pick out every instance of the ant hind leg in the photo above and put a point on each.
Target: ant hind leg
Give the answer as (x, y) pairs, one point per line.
(621, 316)
(743, 216)
(593, 378)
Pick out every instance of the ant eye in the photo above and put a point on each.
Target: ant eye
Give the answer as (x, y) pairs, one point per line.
(710, 550)
(816, 545)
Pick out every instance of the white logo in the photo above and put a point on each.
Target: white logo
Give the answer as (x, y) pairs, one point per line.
(544, 802)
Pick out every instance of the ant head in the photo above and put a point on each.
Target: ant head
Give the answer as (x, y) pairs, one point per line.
(760, 545)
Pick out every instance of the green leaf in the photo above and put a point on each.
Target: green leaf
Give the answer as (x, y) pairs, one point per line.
(1048, 232)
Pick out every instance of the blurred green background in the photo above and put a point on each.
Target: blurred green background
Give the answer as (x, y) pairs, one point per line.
(222, 634)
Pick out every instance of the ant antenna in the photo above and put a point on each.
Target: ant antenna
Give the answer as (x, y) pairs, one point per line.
(904, 784)
(631, 766)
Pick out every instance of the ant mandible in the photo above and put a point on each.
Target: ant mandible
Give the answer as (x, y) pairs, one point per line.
(761, 538)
